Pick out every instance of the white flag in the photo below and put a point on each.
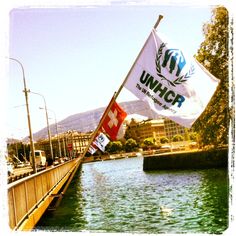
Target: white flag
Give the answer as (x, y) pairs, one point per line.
(101, 141)
(92, 149)
(172, 84)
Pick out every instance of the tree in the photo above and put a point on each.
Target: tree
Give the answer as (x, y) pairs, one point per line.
(164, 140)
(193, 136)
(213, 125)
(113, 147)
(19, 149)
(130, 145)
(148, 143)
(178, 138)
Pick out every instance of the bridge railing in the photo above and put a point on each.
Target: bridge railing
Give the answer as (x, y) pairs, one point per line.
(26, 194)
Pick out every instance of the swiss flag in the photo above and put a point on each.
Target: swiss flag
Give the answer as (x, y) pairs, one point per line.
(113, 121)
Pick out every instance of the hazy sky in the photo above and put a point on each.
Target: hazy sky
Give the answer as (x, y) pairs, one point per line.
(77, 57)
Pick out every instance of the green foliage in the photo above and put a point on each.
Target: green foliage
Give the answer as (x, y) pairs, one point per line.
(164, 140)
(130, 145)
(114, 147)
(213, 125)
(149, 141)
(178, 138)
(19, 149)
(193, 136)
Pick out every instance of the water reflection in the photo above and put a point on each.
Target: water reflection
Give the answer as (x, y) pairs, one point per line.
(118, 196)
(212, 201)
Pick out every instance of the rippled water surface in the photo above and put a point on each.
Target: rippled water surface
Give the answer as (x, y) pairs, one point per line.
(118, 196)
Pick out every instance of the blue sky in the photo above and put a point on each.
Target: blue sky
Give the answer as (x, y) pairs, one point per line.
(77, 57)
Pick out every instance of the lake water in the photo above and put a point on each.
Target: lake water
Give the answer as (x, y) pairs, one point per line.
(118, 196)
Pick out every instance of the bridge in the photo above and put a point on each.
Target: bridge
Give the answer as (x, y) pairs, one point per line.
(29, 198)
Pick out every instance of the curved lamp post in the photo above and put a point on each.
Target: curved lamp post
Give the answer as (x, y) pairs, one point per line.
(49, 132)
(28, 115)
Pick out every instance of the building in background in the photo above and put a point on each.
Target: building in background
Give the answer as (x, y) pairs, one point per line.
(152, 128)
(142, 128)
(72, 143)
(172, 129)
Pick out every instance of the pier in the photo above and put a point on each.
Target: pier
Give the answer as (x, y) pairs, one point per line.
(187, 160)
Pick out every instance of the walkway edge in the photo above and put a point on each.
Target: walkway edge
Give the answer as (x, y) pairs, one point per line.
(35, 216)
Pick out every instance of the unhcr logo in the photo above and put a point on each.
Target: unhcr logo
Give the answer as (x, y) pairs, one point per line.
(173, 60)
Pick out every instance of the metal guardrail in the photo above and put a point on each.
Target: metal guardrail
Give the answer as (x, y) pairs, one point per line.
(25, 195)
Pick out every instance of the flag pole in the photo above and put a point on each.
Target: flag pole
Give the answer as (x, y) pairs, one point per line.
(99, 125)
(116, 94)
(158, 21)
(122, 85)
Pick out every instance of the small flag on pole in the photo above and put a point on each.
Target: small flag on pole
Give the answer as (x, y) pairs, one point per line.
(101, 141)
(92, 149)
(171, 84)
(113, 122)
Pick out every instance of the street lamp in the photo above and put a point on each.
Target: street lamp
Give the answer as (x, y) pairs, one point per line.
(28, 115)
(48, 128)
(58, 139)
(63, 141)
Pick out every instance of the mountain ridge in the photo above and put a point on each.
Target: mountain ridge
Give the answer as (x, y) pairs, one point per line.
(88, 120)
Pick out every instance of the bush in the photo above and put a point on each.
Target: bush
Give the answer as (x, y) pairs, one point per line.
(178, 138)
(130, 145)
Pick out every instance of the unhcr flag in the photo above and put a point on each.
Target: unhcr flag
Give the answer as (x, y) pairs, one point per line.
(171, 83)
(101, 141)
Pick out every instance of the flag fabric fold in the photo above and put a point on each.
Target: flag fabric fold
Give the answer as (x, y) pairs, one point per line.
(171, 83)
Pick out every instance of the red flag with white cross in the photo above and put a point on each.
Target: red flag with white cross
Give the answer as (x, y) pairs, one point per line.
(113, 121)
